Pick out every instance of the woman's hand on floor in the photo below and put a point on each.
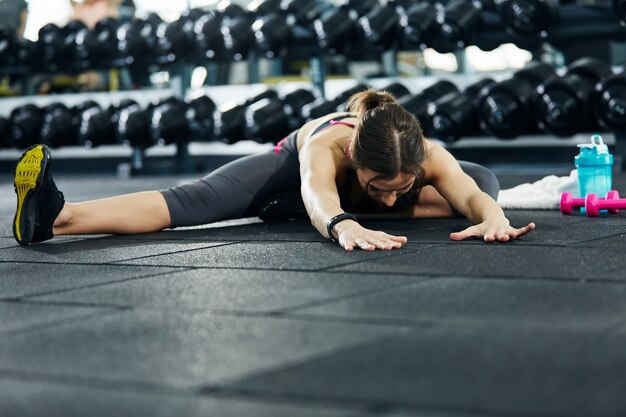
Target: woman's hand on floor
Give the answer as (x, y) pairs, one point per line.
(492, 231)
(353, 235)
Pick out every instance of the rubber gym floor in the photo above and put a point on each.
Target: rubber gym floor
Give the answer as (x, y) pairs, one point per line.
(244, 318)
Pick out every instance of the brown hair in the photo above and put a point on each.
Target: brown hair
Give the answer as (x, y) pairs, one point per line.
(387, 138)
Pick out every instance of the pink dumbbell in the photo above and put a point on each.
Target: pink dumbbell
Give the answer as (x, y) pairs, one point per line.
(612, 204)
(569, 203)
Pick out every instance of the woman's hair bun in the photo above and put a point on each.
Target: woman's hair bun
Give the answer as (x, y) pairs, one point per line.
(368, 100)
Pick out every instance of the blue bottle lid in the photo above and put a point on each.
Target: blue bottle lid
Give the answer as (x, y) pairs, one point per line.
(594, 153)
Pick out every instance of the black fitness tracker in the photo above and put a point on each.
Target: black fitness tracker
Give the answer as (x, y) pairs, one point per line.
(334, 220)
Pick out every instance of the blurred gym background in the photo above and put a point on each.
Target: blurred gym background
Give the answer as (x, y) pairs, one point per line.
(138, 87)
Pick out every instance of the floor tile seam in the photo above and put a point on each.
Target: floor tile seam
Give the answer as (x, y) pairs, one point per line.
(225, 392)
(425, 324)
(230, 387)
(370, 291)
(392, 253)
(60, 322)
(175, 252)
(479, 242)
(617, 328)
(225, 267)
(97, 382)
(135, 258)
(595, 239)
(264, 315)
(366, 405)
(95, 264)
(63, 303)
(482, 276)
(187, 240)
(97, 284)
(297, 363)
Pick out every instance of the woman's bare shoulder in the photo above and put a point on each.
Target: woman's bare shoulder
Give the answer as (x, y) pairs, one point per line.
(329, 137)
(438, 160)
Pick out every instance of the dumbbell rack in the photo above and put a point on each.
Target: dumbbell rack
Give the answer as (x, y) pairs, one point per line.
(576, 23)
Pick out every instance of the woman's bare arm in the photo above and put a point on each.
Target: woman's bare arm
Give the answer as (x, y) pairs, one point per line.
(462, 193)
(319, 164)
(318, 170)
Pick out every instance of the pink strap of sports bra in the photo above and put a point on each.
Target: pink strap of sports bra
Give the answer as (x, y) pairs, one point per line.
(339, 122)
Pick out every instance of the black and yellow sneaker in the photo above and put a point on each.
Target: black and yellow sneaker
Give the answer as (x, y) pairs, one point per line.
(39, 202)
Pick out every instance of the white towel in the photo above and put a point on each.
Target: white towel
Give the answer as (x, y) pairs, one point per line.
(540, 195)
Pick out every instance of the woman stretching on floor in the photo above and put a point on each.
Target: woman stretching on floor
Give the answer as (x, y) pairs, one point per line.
(373, 159)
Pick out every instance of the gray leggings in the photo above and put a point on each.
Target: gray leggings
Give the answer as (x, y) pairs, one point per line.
(241, 187)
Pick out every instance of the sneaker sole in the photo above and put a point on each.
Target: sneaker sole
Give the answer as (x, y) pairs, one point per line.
(29, 175)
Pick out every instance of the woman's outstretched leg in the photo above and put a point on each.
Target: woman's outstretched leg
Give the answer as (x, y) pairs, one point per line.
(43, 213)
(143, 212)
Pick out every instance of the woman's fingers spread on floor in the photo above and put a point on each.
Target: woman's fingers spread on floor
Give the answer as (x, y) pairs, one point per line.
(471, 231)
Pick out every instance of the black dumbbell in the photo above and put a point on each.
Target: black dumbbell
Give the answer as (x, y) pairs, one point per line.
(99, 126)
(418, 25)
(175, 40)
(58, 128)
(321, 106)
(358, 8)
(238, 36)
(69, 33)
(133, 128)
(25, 126)
(77, 117)
(619, 7)
(380, 26)
(230, 118)
(209, 40)
(18, 51)
(226, 33)
(168, 123)
(134, 124)
(4, 132)
(27, 54)
(199, 115)
(303, 12)
(458, 22)
(418, 104)
(343, 97)
(609, 102)
(266, 121)
(148, 28)
(263, 7)
(8, 47)
(505, 109)
(275, 30)
(272, 34)
(229, 122)
(50, 46)
(334, 30)
(454, 115)
(175, 121)
(98, 46)
(398, 90)
(270, 119)
(293, 103)
(528, 17)
(563, 104)
(131, 45)
(318, 108)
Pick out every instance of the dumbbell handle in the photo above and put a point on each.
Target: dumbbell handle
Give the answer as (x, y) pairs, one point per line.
(593, 205)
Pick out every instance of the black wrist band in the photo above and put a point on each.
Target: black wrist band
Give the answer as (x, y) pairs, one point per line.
(338, 218)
